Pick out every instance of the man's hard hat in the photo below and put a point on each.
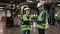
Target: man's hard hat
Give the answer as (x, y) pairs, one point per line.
(26, 8)
(39, 4)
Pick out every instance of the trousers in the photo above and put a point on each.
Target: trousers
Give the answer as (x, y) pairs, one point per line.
(26, 32)
(41, 31)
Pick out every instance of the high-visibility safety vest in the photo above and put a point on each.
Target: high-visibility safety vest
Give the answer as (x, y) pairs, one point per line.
(26, 27)
(57, 15)
(44, 25)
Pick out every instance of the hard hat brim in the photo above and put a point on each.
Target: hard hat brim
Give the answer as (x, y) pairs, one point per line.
(27, 9)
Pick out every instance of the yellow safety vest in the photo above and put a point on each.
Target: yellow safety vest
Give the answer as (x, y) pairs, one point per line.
(45, 25)
(57, 15)
(26, 27)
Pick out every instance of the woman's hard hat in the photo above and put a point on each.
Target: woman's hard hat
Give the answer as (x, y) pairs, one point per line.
(22, 7)
(26, 8)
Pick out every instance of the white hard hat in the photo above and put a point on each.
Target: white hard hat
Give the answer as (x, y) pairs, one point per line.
(22, 8)
(39, 4)
(26, 8)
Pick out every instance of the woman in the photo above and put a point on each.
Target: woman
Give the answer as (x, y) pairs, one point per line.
(26, 24)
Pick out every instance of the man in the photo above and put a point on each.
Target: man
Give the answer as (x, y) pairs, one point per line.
(26, 18)
(57, 16)
(42, 18)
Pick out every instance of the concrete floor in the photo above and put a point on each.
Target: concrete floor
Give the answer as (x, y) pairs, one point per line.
(50, 30)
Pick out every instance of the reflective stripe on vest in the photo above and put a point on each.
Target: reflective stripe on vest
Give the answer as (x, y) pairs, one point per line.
(42, 26)
(26, 27)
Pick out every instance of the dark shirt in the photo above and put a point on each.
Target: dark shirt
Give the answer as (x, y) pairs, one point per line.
(26, 22)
